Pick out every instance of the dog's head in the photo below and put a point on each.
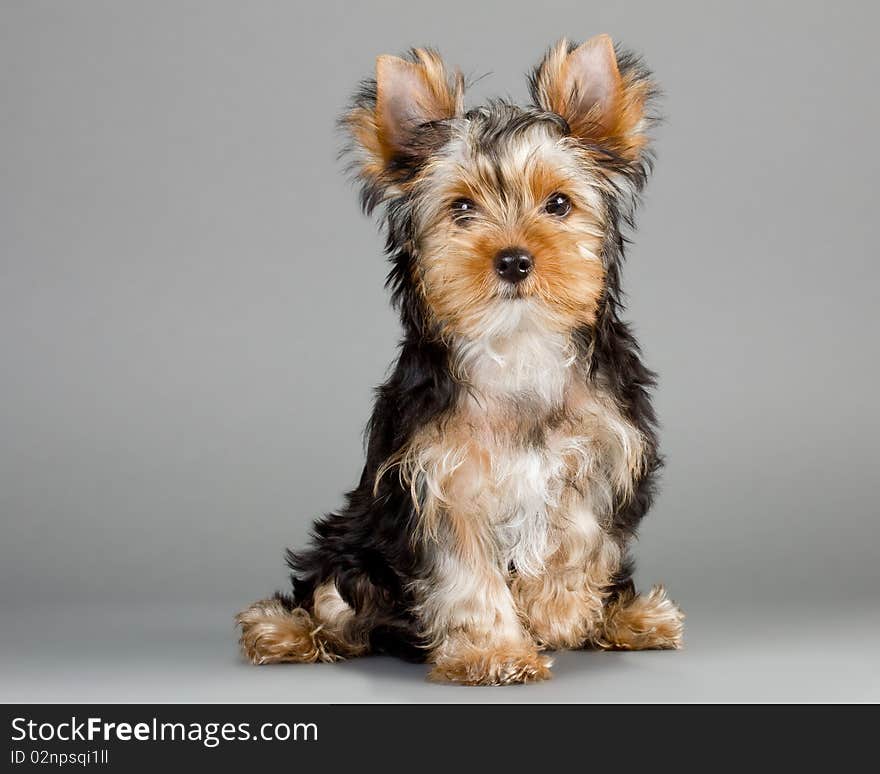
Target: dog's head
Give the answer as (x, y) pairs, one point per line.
(502, 216)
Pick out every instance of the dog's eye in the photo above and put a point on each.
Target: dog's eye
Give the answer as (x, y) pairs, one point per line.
(462, 210)
(558, 205)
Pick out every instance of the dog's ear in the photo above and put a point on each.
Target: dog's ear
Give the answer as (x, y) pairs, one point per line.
(603, 97)
(396, 119)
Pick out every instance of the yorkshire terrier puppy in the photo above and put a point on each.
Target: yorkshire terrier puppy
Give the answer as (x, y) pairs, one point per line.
(513, 452)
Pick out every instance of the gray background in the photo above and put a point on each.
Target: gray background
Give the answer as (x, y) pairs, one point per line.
(192, 319)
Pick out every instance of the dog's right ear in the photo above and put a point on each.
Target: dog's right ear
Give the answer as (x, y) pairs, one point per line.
(397, 120)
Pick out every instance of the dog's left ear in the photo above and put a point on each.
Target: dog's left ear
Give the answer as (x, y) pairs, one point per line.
(603, 98)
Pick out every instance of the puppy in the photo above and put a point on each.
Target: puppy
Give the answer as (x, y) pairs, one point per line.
(513, 452)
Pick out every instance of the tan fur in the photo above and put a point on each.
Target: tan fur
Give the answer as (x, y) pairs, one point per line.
(468, 615)
(407, 93)
(616, 118)
(642, 622)
(270, 634)
(515, 486)
(564, 606)
(490, 663)
(489, 498)
(456, 274)
(459, 468)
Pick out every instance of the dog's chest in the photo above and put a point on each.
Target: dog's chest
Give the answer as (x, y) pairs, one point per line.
(526, 490)
(540, 470)
(533, 451)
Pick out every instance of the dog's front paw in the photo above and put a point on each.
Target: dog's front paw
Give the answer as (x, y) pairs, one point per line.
(491, 666)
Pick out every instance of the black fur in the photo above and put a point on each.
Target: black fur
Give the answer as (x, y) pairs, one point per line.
(367, 548)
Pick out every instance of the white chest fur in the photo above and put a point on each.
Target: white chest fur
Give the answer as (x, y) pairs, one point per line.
(532, 452)
(526, 362)
(544, 451)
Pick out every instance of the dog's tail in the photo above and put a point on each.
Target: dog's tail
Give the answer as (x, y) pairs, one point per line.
(276, 630)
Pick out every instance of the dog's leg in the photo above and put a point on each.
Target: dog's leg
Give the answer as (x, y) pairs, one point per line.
(469, 616)
(641, 622)
(564, 606)
(273, 631)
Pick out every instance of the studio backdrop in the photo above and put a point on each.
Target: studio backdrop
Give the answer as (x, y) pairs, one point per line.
(193, 319)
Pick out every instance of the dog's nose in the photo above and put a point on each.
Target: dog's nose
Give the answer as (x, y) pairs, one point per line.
(514, 264)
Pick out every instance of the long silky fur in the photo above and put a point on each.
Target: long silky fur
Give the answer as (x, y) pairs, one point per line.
(367, 547)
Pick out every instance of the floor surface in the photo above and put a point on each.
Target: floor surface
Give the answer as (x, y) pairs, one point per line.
(188, 654)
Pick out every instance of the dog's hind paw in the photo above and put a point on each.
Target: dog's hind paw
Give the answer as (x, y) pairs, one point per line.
(643, 622)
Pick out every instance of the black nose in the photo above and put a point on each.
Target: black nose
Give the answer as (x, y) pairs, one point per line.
(514, 264)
